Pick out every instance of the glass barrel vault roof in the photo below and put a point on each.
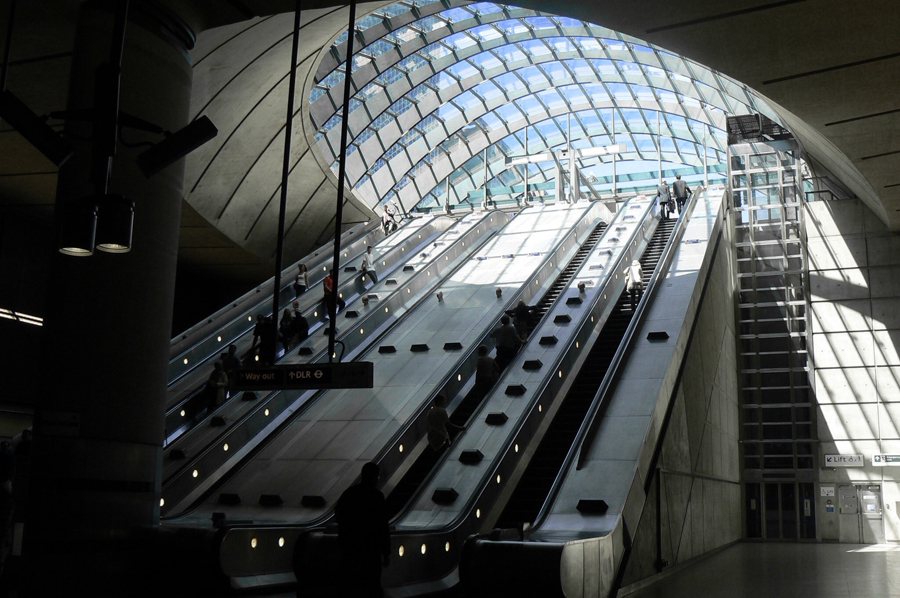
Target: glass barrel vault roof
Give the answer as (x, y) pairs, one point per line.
(435, 89)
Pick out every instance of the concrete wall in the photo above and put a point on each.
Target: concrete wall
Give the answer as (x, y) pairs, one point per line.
(701, 496)
(854, 282)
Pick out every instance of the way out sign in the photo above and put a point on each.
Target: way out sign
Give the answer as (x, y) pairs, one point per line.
(357, 374)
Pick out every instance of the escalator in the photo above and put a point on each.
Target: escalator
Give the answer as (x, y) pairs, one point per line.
(532, 490)
(187, 406)
(244, 418)
(418, 472)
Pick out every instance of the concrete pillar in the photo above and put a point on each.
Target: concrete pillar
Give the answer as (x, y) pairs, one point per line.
(99, 424)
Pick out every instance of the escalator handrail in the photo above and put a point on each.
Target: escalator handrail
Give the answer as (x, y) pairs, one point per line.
(589, 426)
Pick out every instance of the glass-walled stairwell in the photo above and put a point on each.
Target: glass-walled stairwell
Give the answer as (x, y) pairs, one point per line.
(778, 436)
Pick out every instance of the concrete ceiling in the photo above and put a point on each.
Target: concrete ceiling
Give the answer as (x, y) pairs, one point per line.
(832, 67)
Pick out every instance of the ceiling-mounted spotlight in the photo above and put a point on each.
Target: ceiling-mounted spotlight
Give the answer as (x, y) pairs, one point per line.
(36, 131)
(79, 227)
(176, 146)
(115, 223)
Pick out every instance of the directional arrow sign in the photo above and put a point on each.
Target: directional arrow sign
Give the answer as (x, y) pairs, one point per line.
(357, 374)
(844, 461)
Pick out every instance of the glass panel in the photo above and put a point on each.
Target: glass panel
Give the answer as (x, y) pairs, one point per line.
(509, 82)
(485, 33)
(540, 22)
(459, 41)
(463, 70)
(772, 517)
(509, 53)
(789, 511)
(484, 8)
(511, 26)
(535, 47)
(487, 91)
(454, 15)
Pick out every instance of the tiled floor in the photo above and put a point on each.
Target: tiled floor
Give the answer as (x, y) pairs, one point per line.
(787, 571)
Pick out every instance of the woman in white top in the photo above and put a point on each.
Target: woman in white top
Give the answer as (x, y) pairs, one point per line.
(301, 283)
(634, 282)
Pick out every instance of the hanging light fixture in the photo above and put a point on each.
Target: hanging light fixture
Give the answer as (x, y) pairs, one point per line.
(79, 227)
(115, 223)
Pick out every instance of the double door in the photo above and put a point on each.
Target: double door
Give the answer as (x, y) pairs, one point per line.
(780, 510)
(860, 514)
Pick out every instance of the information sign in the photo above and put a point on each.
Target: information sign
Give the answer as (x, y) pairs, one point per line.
(356, 374)
(884, 460)
(844, 461)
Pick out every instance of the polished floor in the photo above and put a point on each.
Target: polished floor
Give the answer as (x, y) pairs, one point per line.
(786, 571)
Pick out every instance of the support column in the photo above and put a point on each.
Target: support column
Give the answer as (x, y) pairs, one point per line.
(99, 425)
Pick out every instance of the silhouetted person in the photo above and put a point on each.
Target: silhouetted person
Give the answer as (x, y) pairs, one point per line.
(634, 283)
(286, 330)
(438, 421)
(258, 331)
(268, 336)
(521, 314)
(682, 192)
(7, 467)
(216, 385)
(508, 342)
(301, 325)
(230, 364)
(363, 536)
(331, 296)
(487, 372)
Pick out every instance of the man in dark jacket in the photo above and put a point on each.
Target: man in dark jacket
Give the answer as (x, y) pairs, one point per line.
(363, 536)
(682, 192)
(507, 341)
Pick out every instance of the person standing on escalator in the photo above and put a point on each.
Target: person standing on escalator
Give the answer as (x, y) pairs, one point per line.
(507, 341)
(665, 200)
(331, 296)
(438, 422)
(521, 314)
(682, 192)
(231, 363)
(486, 372)
(301, 283)
(217, 385)
(634, 283)
(368, 264)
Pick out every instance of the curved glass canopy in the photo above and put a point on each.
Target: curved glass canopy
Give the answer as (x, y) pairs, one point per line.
(442, 98)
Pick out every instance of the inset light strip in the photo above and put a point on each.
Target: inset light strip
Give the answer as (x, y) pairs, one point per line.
(20, 317)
